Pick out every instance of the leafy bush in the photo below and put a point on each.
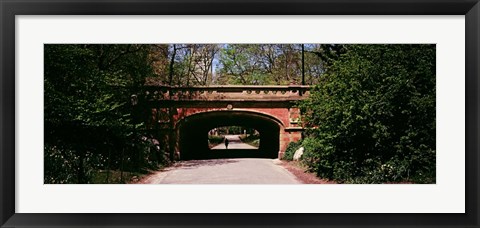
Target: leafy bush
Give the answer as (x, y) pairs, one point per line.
(215, 139)
(66, 166)
(255, 143)
(372, 117)
(60, 166)
(313, 155)
(251, 139)
(90, 124)
(290, 151)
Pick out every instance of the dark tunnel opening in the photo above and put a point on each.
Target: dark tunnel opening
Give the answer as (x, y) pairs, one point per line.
(193, 135)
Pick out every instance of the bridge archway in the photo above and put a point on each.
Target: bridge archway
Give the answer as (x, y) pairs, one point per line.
(193, 138)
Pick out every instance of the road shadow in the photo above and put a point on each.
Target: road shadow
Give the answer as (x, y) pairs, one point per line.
(190, 164)
(232, 146)
(236, 153)
(229, 153)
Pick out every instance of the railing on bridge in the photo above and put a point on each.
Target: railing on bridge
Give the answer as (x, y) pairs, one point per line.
(228, 92)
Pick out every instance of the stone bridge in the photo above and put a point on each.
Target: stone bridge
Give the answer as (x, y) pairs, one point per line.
(189, 113)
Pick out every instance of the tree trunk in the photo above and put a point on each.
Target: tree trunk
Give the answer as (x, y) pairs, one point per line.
(172, 61)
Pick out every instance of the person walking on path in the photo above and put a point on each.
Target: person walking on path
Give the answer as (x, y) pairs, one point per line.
(226, 143)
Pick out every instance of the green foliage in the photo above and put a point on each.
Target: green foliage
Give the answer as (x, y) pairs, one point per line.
(267, 64)
(290, 151)
(215, 139)
(372, 117)
(90, 123)
(311, 154)
(66, 166)
(255, 143)
(116, 177)
(91, 84)
(234, 129)
(251, 139)
(60, 167)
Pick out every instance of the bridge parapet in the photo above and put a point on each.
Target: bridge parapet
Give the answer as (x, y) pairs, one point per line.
(230, 93)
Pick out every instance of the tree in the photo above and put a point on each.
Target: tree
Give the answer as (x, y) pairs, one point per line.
(238, 65)
(373, 115)
(266, 64)
(87, 105)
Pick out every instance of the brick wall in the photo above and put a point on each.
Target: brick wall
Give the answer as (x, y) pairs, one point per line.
(290, 129)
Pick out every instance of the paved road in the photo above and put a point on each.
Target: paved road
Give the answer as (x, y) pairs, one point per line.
(234, 142)
(224, 171)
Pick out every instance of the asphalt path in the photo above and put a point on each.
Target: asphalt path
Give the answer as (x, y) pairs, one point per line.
(234, 142)
(224, 171)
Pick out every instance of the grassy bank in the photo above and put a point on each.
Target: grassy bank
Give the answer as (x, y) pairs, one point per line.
(214, 140)
(252, 139)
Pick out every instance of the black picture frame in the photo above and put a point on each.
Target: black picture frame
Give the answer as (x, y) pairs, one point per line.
(10, 8)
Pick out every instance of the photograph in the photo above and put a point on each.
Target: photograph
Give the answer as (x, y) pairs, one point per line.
(239, 113)
(236, 113)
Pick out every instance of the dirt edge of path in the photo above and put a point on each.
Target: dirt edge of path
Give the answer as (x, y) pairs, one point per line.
(299, 172)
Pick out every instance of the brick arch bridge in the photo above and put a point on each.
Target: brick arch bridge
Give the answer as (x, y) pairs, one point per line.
(186, 114)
